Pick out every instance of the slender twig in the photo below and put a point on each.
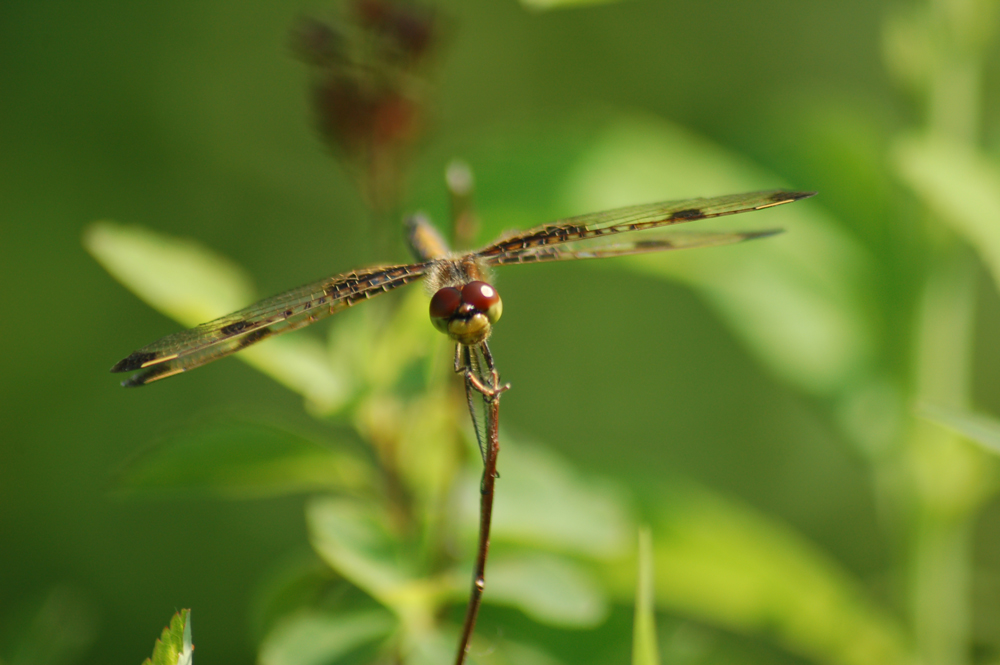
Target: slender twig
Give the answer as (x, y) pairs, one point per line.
(488, 386)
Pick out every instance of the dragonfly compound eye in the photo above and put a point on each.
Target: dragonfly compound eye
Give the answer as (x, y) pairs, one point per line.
(444, 305)
(484, 298)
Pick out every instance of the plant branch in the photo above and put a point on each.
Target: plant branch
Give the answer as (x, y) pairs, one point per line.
(487, 385)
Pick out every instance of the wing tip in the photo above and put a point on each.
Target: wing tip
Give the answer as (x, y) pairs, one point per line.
(137, 360)
(141, 360)
(795, 196)
(779, 197)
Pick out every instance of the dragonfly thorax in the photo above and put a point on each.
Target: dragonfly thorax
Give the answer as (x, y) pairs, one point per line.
(466, 314)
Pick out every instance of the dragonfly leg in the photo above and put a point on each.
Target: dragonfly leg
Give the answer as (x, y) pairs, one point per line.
(469, 361)
(476, 367)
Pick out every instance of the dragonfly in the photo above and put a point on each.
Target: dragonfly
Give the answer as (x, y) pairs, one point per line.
(464, 305)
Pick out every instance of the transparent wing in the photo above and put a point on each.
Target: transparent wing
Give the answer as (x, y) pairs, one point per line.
(622, 220)
(288, 311)
(650, 243)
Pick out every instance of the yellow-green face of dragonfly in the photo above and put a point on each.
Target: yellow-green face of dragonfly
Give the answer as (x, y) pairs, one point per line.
(466, 315)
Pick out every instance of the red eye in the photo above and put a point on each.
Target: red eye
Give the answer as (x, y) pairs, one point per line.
(484, 298)
(445, 303)
(480, 295)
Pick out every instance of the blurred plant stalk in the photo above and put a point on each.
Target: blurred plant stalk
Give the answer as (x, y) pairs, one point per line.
(938, 50)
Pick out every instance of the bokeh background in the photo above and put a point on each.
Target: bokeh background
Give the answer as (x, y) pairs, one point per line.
(193, 119)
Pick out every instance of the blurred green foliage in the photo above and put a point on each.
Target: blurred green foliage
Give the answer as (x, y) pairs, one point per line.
(781, 435)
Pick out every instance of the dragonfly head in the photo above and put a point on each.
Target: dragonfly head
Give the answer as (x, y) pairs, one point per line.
(466, 314)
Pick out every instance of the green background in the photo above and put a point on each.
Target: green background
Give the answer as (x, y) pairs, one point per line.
(192, 118)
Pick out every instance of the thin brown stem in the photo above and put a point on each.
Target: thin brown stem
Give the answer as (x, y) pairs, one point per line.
(488, 387)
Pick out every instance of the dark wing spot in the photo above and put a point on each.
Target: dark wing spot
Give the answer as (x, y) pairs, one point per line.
(234, 328)
(254, 337)
(288, 313)
(689, 214)
(134, 361)
(753, 235)
(654, 244)
(148, 376)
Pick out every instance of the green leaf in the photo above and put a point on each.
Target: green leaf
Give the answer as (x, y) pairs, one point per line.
(357, 539)
(975, 427)
(314, 638)
(644, 647)
(179, 277)
(542, 502)
(192, 284)
(796, 299)
(301, 364)
(725, 564)
(245, 460)
(960, 185)
(550, 590)
(174, 646)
